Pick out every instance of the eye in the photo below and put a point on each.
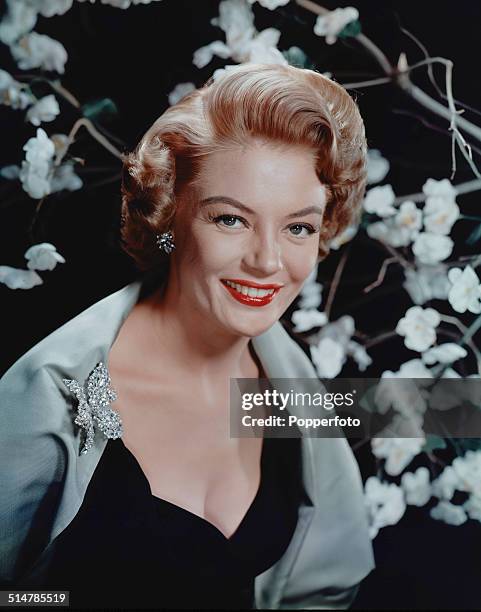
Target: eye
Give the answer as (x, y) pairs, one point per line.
(302, 226)
(227, 220)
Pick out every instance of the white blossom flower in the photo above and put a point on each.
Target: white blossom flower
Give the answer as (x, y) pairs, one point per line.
(418, 327)
(440, 210)
(439, 189)
(463, 475)
(10, 172)
(13, 93)
(38, 175)
(39, 148)
(344, 237)
(468, 470)
(472, 392)
(402, 394)
(236, 19)
(270, 4)
(22, 16)
(36, 185)
(384, 503)
(19, 19)
(380, 200)
(16, 278)
(427, 282)
(204, 55)
(359, 354)
(383, 232)
(43, 256)
(179, 91)
(409, 217)
(417, 487)
(262, 49)
(450, 373)
(398, 452)
(449, 513)
(414, 368)
(243, 43)
(220, 72)
(268, 38)
(305, 320)
(312, 276)
(473, 507)
(6, 79)
(432, 248)
(340, 331)
(64, 177)
(331, 24)
(311, 294)
(444, 353)
(440, 215)
(46, 109)
(465, 292)
(445, 484)
(328, 357)
(35, 169)
(49, 8)
(39, 51)
(388, 232)
(377, 166)
(399, 230)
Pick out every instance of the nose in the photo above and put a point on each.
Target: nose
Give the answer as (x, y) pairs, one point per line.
(263, 255)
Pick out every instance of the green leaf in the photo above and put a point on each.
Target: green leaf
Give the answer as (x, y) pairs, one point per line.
(474, 236)
(96, 108)
(352, 29)
(473, 444)
(367, 219)
(295, 56)
(432, 443)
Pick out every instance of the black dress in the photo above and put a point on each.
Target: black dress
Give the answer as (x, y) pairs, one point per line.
(127, 548)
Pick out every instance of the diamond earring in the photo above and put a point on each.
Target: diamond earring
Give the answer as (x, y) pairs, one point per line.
(165, 242)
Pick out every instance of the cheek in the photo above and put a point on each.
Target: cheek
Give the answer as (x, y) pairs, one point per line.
(301, 261)
(212, 251)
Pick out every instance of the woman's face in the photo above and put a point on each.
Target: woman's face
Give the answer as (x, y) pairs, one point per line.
(246, 245)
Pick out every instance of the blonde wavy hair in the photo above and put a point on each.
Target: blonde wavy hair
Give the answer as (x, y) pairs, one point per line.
(281, 104)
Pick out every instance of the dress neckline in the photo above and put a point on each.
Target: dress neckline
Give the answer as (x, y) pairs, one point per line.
(159, 500)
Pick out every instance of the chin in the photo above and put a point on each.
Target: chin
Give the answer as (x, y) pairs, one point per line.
(253, 330)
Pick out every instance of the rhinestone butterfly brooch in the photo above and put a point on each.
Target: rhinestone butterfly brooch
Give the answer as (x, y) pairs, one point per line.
(94, 400)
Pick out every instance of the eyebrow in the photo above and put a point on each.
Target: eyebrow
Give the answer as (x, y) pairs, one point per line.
(244, 208)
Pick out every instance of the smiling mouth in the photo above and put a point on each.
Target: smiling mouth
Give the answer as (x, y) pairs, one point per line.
(251, 296)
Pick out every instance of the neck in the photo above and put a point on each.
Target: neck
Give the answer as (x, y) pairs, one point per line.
(195, 344)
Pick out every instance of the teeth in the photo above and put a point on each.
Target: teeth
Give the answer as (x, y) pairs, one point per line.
(250, 291)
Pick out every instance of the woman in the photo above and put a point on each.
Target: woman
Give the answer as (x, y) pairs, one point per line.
(229, 201)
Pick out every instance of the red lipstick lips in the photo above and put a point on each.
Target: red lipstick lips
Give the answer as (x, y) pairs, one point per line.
(251, 300)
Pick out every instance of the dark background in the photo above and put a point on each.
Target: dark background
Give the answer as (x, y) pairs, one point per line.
(135, 58)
